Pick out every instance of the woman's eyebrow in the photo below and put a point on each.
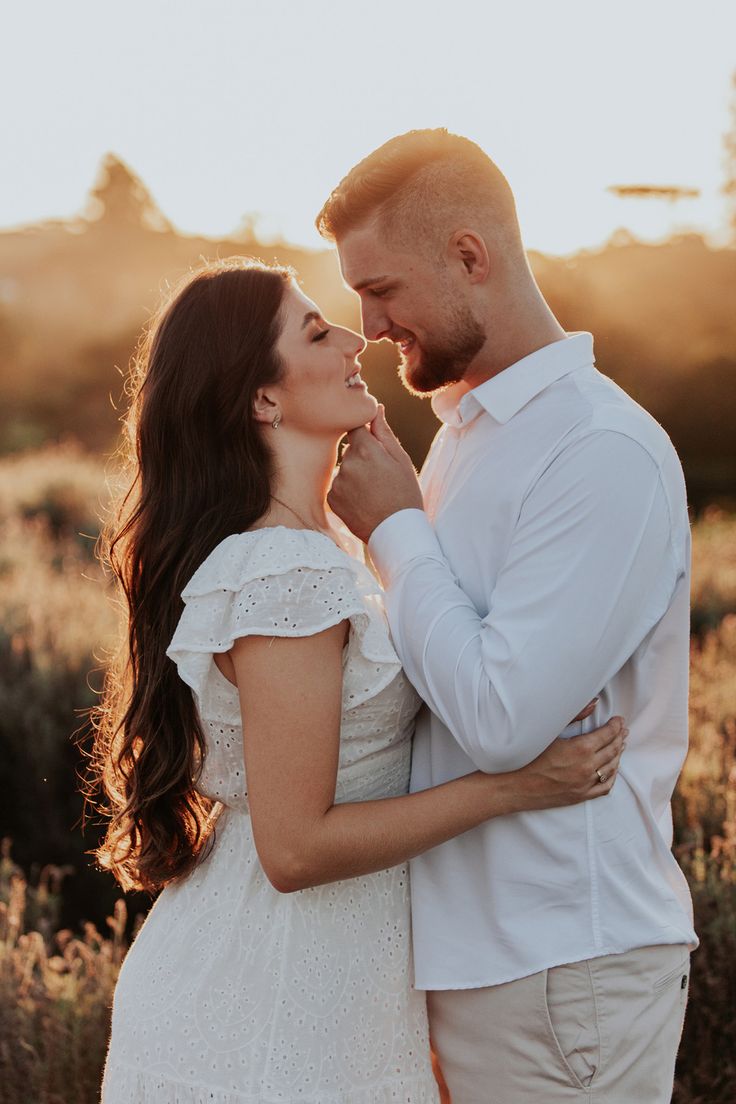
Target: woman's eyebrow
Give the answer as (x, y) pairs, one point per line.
(310, 316)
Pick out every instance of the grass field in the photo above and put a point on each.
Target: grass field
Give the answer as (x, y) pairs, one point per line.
(57, 977)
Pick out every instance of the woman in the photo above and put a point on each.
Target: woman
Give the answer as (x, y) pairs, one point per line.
(276, 964)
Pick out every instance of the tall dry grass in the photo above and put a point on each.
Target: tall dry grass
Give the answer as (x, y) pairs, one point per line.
(705, 844)
(56, 624)
(55, 992)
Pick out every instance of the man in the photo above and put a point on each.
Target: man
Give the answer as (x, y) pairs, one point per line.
(550, 564)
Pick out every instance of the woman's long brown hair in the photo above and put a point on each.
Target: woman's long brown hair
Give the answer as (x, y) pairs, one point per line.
(195, 469)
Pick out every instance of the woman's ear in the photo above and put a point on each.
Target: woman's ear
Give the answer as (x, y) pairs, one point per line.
(265, 408)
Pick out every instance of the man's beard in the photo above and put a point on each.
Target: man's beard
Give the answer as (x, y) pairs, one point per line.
(442, 362)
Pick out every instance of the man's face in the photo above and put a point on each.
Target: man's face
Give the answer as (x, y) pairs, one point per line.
(416, 303)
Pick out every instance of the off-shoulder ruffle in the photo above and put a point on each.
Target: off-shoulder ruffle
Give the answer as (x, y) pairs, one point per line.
(242, 557)
(279, 582)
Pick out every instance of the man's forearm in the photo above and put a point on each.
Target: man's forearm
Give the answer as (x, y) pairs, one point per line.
(576, 597)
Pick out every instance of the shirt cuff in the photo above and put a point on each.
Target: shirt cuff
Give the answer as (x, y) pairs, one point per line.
(399, 539)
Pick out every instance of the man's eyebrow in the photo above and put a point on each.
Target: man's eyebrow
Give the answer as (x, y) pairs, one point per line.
(370, 280)
(310, 316)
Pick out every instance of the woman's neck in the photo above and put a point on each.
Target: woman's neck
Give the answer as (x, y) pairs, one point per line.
(303, 474)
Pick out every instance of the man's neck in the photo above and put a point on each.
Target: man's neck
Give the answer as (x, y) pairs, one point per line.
(517, 327)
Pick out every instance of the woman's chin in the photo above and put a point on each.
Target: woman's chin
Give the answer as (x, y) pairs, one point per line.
(365, 411)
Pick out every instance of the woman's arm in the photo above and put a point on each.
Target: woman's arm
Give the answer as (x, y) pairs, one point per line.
(290, 696)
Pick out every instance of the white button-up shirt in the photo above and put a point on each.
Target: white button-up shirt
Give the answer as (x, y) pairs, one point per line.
(551, 564)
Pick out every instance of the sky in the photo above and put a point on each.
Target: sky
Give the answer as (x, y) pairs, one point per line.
(230, 107)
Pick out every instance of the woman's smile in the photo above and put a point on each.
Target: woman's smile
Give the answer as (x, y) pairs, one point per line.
(355, 380)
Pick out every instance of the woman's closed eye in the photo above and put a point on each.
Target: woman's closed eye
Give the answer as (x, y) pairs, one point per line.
(321, 335)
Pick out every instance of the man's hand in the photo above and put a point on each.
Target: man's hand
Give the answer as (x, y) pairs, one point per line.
(376, 479)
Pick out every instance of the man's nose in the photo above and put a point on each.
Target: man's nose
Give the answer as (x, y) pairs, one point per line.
(375, 323)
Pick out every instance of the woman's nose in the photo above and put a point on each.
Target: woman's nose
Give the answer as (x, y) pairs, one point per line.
(357, 342)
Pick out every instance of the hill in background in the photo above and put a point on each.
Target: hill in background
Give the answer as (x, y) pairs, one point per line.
(75, 295)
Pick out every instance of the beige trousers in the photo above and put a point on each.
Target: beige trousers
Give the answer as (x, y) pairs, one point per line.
(605, 1030)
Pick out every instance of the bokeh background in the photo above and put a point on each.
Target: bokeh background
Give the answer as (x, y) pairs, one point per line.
(139, 139)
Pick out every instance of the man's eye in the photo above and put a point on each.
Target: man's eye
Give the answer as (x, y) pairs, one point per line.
(321, 335)
(378, 293)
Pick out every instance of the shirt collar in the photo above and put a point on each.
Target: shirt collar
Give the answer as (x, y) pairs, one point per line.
(504, 395)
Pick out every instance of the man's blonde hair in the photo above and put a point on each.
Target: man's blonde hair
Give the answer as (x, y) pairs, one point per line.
(418, 183)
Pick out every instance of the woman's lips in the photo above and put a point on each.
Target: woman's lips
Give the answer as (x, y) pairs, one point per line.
(355, 380)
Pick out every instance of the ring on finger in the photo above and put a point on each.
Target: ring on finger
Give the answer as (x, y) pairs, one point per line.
(601, 777)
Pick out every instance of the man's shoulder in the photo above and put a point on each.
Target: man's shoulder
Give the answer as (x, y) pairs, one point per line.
(610, 409)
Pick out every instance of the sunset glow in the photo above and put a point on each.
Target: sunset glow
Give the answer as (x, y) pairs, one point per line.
(228, 108)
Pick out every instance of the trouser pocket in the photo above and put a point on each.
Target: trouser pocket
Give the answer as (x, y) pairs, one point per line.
(679, 975)
(671, 990)
(573, 1019)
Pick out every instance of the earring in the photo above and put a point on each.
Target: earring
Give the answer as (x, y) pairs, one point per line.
(276, 422)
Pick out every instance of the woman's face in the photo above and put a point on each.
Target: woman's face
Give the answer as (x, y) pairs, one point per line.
(322, 392)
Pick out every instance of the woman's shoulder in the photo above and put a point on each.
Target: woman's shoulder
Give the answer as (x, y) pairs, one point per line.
(281, 582)
(259, 553)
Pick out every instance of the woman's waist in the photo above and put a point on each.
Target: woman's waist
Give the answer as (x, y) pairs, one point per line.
(382, 773)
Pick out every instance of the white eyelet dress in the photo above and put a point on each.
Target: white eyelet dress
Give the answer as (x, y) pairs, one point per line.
(234, 993)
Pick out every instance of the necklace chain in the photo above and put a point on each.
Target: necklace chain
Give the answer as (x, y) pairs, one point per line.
(308, 526)
(296, 515)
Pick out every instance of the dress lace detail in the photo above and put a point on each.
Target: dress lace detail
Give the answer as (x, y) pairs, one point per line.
(233, 993)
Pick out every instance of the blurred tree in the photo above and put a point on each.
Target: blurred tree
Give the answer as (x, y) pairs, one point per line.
(729, 165)
(121, 197)
(247, 229)
(670, 193)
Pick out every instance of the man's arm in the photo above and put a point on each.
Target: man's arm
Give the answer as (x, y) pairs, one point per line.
(590, 570)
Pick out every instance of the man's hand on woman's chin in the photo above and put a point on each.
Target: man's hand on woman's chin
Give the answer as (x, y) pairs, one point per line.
(376, 479)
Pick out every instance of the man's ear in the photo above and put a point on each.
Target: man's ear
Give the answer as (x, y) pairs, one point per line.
(265, 407)
(469, 249)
